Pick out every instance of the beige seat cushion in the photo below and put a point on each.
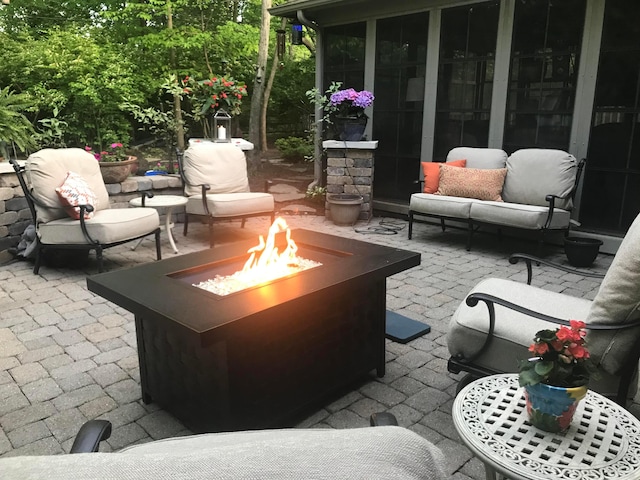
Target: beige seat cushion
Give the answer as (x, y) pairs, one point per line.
(232, 204)
(320, 454)
(106, 226)
(531, 217)
(441, 205)
(222, 166)
(47, 169)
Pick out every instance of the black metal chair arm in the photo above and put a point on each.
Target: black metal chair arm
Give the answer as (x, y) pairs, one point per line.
(529, 259)
(83, 225)
(490, 300)
(90, 435)
(382, 419)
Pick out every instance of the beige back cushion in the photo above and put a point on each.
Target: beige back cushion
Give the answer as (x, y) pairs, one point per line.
(618, 302)
(479, 157)
(48, 168)
(222, 166)
(534, 173)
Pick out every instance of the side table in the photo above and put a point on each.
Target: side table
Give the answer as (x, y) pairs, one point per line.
(162, 201)
(603, 441)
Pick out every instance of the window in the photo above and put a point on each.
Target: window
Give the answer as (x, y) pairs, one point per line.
(465, 77)
(401, 54)
(547, 36)
(611, 193)
(344, 55)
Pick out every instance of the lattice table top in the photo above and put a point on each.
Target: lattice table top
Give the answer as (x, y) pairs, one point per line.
(603, 441)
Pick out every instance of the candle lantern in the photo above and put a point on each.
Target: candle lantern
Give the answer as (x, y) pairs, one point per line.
(222, 126)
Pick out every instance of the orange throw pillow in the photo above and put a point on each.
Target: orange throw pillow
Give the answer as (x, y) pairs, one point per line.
(483, 184)
(431, 172)
(75, 191)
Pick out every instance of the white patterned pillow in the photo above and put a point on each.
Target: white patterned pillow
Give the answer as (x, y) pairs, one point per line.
(75, 191)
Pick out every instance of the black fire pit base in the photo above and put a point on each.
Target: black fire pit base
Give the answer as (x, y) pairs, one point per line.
(265, 356)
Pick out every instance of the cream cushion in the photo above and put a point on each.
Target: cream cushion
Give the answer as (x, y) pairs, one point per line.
(530, 217)
(222, 166)
(534, 173)
(106, 226)
(441, 205)
(47, 169)
(319, 454)
(618, 300)
(231, 204)
(479, 157)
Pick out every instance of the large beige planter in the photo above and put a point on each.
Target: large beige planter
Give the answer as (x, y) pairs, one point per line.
(344, 208)
(116, 172)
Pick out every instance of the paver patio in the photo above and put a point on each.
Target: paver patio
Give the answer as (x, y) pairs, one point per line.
(67, 355)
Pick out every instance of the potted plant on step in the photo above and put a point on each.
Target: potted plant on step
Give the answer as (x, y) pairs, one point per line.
(556, 379)
(115, 164)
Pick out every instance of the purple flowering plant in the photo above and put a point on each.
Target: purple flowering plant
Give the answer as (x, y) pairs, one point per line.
(350, 103)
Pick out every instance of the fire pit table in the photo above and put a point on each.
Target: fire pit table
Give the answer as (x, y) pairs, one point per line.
(263, 356)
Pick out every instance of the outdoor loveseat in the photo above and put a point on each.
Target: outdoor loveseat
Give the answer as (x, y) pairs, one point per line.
(383, 452)
(532, 189)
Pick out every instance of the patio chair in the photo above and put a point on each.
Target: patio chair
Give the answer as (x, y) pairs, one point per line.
(381, 452)
(69, 204)
(214, 177)
(492, 337)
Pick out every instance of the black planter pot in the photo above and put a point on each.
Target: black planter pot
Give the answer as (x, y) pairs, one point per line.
(350, 129)
(581, 252)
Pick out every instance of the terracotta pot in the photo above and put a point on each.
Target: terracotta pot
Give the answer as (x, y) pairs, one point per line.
(551, 408)
(116, 172)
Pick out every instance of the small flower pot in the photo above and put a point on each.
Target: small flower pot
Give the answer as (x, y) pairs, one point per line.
(551, 408)
(581, 252)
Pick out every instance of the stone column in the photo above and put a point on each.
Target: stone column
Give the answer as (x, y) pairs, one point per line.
(350, 170)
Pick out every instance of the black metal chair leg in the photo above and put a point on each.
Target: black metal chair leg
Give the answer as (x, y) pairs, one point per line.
(158, 250)
(99, 258)
(38, 262)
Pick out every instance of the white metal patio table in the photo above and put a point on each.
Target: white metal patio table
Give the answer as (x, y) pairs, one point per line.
(603, 441)
(162, 201)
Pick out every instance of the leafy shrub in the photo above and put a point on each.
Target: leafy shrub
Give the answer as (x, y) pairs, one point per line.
(295, 149)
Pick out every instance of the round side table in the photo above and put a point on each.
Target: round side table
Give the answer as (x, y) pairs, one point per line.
(603, 441)
(162, 201)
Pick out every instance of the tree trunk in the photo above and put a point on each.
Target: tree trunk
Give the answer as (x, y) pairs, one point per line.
(177, 104)
(257, 96)
(267, 93)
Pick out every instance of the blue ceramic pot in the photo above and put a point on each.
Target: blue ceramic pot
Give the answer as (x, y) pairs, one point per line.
(551, 408)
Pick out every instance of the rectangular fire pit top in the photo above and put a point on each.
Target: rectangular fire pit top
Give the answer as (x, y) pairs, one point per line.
(165, 288)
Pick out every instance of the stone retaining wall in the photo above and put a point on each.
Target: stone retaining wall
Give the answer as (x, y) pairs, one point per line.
(15, 215)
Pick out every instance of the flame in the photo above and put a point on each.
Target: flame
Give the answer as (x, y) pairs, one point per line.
(265, 263)
(265, 257)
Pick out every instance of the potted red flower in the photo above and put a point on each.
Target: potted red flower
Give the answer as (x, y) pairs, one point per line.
(556, 379)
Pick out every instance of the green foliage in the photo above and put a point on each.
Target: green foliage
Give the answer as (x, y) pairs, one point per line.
(316, 194)
(14, 126)
(295, 149)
